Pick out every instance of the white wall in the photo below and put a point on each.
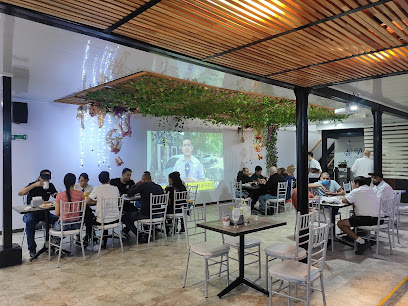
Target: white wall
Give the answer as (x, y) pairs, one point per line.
(348, 149)
(53, 142)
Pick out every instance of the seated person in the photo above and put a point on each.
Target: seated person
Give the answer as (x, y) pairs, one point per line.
(69, 195)
(366, 206)
(270, 188)
(43, 188)
(326, 187)
(243, 176)
(382, 189)
(294, 197)
(146, 188)
(175, 184)
(104, 191)
(257, 175)
(288, 178)
(124, 183)
(83, 185)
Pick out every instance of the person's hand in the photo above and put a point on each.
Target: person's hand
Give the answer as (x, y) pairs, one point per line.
(38, 184)
(329, 193)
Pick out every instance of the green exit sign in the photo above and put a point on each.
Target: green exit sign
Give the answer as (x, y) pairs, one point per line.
(19, 137)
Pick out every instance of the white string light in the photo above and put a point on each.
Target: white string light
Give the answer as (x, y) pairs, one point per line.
(109, 153)
(81, 144)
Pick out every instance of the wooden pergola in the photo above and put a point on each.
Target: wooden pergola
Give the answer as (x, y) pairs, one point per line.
(305, 45)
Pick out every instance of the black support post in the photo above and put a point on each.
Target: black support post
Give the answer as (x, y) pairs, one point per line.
(302, 148)
(377, 139)
(10, 254)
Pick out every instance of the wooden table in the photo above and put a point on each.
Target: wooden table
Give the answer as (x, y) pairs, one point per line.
(263, 224)
(22, 210)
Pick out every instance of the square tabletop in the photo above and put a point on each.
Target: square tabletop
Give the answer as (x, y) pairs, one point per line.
(24, 210)
(262, 224)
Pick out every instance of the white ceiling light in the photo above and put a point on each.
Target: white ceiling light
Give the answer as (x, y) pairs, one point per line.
(326, 122)
(349, 109)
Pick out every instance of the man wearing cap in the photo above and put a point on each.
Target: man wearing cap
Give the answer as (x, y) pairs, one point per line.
(383, 190)
(363, 166)
(42, 188)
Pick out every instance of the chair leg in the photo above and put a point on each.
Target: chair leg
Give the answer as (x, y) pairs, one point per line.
(389, 239)
(150, 235)
(113, 236)
(228, 281)
(100, 243)
(266, 271)
(206, 277)
(219, 272)
(396, 225)
(377, 235)
(322, 288)
(308, 293)
(259, 261)
(185, 273)
(332, 237)
(137, 233)
(270, 287)
(120, 238)
(165, 232)
(289, 294)
(82, 245)
(60, 251)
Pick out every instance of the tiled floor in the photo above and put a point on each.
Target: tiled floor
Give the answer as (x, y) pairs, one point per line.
(155, 276)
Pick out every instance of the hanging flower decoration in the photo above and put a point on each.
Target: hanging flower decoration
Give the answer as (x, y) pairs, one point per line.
(257, 147)
(124, 126)
(114, 143)
(81, 116)
(101, 113)
(118, 161)
(260, 156)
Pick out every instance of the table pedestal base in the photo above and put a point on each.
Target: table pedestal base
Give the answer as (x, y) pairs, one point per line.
(240, 281)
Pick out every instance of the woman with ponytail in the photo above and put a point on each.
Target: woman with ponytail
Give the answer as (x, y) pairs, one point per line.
(69, 195)
(175, 184)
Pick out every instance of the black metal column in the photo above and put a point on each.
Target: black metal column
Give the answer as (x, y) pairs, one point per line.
(10, 254)
(377, 139)
(324, 152)
(302, 148)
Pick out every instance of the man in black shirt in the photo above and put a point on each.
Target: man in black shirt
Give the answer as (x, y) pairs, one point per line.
(269, 190)
(43, 188)
(146, 188)
(244, 176)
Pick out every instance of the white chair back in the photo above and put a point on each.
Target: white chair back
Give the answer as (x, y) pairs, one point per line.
(192, 193)
(316, 256)
(180, 199)
(110, 210)
(303, 223)
(192, 216)
(236, 190)
(282, 190)
(314, 205)
(158, 205)
(72, 214)
(386, 209)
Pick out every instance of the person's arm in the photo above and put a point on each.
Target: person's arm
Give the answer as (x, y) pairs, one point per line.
(53, 190)
(27, 189)
(354, 168)
(57, 205)
(316, 185)
(91, 199)
(134, 190)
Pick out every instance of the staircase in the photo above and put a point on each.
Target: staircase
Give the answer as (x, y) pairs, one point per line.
(330, 158)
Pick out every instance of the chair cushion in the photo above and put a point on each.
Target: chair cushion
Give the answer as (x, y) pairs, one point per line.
(107, 226)
(210, 249)
(66, 233)
(293, 271)
(154, 221)
(249, 242)
(285, 251)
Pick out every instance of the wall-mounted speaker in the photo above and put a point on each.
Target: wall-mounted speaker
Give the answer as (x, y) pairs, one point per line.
(19, 112)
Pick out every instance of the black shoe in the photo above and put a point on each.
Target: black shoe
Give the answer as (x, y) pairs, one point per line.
(373, 242)
(361, 248)
(182, 230)
(32, 252)
(125, 235)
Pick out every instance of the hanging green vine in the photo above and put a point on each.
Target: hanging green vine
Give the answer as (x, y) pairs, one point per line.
(165, 98)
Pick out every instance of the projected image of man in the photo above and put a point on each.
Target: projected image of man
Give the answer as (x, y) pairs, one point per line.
(190, 167)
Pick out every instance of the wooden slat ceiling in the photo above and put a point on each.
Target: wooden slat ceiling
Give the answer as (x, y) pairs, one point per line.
(302, 42)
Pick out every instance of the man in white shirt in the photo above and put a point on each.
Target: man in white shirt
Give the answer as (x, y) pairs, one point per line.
(366, 208)
(313, 164)
(83, 185)
(383, 190)
(363, 166)
(104, 191)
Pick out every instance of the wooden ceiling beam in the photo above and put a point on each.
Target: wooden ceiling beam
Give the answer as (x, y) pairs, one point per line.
(132, 15)
(359, 9)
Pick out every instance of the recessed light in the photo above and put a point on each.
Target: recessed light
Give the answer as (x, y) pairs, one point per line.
(326, 122)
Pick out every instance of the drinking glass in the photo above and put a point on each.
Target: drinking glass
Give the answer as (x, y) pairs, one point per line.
(247, 214)
(235, 216)
(86, 194)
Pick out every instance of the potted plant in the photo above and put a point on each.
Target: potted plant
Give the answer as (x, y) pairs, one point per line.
(225, 221)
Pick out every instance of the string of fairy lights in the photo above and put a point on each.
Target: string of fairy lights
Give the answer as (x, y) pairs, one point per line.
(93, 145)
